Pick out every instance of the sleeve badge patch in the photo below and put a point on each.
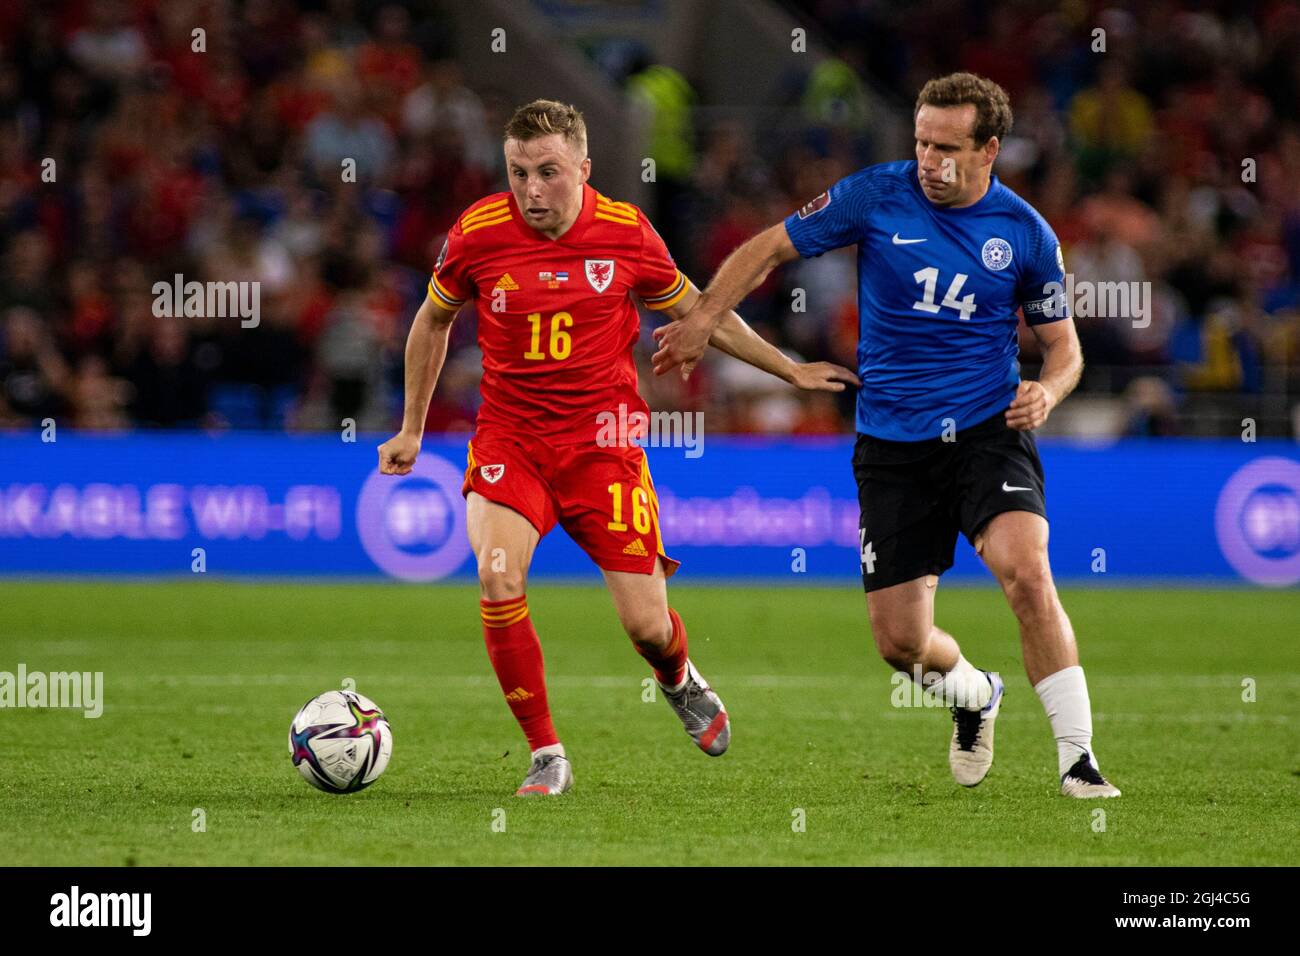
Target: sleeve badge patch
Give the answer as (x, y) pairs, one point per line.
(816, 205)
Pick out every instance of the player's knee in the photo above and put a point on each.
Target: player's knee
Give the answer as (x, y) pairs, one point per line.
(901, 658)
(649, 631)
(900, 640)
(900, 647)
(500, 584)
(1028, 587)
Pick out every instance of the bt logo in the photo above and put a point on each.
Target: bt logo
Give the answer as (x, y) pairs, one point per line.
(1257, 521)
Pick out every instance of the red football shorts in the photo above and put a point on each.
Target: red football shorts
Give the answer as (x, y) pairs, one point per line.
(603, 497)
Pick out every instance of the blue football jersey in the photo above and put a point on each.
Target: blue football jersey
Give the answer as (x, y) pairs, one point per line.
(938, 290)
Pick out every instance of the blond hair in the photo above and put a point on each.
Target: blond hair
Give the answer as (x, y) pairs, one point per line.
(549, 118)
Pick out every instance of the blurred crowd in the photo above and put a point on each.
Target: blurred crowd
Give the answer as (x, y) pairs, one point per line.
(133, 150)
(1172, 158)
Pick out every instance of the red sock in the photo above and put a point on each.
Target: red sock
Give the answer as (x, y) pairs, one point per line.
(670, 663)
(516, 656)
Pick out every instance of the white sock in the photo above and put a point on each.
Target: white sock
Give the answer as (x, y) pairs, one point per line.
(1065, 698)
(549, 749)
(965, 685)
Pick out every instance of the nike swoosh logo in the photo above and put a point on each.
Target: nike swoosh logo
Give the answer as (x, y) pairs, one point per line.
(1007, 487)
(905, 242)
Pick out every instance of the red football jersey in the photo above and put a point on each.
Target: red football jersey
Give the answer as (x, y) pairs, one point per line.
(556, 320)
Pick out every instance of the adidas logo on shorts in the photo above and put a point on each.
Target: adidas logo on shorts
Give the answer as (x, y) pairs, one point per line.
(637, 549)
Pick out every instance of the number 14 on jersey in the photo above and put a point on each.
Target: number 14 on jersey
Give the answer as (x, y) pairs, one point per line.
(930, 276)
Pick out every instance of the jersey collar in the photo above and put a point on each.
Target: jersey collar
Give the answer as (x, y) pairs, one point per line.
(575, 232)
(982, 203)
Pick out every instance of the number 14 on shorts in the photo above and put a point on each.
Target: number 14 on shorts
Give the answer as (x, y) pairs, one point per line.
(868, 556)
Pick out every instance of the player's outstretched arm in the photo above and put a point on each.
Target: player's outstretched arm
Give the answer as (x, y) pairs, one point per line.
(426, 350)
(683, 342)
(734, 336)
(1062, 366)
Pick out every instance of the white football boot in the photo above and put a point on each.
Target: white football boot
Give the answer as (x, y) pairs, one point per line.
(701, 711)
(1085, 781)
(549, 775)
(970, 755)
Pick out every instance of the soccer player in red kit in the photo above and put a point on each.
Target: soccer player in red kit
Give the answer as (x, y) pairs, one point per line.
(552, 267)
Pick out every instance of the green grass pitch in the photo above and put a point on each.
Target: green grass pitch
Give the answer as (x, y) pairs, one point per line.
(202, 678)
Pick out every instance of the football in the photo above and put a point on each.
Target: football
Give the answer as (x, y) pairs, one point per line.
(340, 741)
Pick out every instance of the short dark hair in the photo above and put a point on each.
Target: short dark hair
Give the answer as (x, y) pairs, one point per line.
(992, 105)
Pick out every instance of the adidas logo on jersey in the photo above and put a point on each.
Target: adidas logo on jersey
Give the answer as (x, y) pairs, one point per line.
(507, 283)
(636, 549)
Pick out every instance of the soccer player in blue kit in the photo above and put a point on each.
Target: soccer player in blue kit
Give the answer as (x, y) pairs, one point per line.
(946, 257)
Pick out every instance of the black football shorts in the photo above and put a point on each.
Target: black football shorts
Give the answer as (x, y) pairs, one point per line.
(916, 495)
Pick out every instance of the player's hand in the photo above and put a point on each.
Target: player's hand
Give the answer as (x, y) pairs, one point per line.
(397, 455)
(1030, 407)
(681, 343)
(823, 377)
